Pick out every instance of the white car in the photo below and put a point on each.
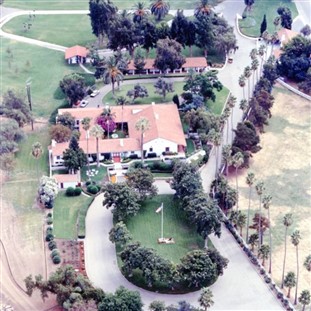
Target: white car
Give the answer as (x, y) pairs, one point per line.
(95, 93)
(83, 103)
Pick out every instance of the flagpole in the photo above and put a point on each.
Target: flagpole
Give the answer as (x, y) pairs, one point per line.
(162, 221)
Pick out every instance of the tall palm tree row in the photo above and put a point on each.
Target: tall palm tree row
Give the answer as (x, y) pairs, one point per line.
(287, 222)
(266, 201)
(231, 104)
(142, 126)
(98, 132)
(260, 187)
(254, 67)
(295, 241)
(36, 152)
(247, 74)
(250, 179)
(242, 84)
(86, 124)
(261, 53)
(226, 115)
(237, 160)
(215, 137)
(226, 155)
(244, 106)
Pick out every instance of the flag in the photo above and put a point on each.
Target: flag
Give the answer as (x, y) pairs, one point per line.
(159, 209)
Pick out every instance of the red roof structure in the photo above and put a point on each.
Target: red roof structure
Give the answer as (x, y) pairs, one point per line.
(76, 50)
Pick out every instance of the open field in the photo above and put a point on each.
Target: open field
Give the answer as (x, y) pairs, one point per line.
(283, 165)
(45, 67)
(146, 228)
(251, 24)
(217, 106)
(65, 214)
(57, 29)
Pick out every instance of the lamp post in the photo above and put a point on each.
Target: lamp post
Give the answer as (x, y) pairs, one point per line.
(161, 209)
(107, 120)
(28, 83)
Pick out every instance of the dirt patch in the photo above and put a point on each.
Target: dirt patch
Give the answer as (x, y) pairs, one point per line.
(284, 166)
(38, 124)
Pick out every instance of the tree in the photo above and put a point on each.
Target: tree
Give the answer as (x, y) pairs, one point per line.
(206, 298)
(204, 34)
(142, 181)
(139, 60)
(101, 13)
(287, 221)
(238, 219)
(247, 74)
(260, 224)
(263, 26)
(260, 188)
(203, 7)
(14, 107)
(86, 124)
(306, 30)
(159, 8)
(106, 120)
(197, 269)
(74, 157)
(237, 160)
(226, 155)
(249, 4)
(97, 132)
(66, 119)
(120, 234)
(215, 137)
(307, 263)
(150, 37)
(140, 12)
(253, 240)
(191, 34)
(142, 126)
(290, 282)
(122, 299)
(73, 86)
(250, 179)
(122, 101)
(169, 55)
(48, 190)
(137, 91)
(122, 199)
(231, 103)
(157, 306)
(304, 298)
(295, 241)
(162, 87)
(112, 73)
(266, 201)
(179, 28)
(286, 17)
(242, 84)
(264, 252)
(254, 67)
(60, 133)
(36, 152)
(305, 86)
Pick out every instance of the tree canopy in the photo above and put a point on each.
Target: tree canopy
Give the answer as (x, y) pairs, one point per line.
(73, 86)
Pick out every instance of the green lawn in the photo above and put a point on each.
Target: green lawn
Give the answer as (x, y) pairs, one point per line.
(102, 173)
(251, 24)
(190, 146)
(45, 67)
(217, 106)
(153, 97)
(57, 29)
(146, 228)
(65, 214)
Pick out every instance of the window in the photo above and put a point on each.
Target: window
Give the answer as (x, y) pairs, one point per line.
(167, 149)
(150, 149)
(132, 152)
(58, 157)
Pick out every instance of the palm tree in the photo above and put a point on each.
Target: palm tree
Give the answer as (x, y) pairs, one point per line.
(214, 137)
(287, 221)
(276, 22)
(142, 125)
(140, 12)
(264, 252)
(253, 240)
(121, 101)
(260, 187)
(231, 104)
(36, 152)
(244, 106)
(266, 201)
(237, 160)
(250, 179)
(253, 54)
(226, 155)
(307, 263)
(159, 8)
(247, 74)
(112, 73)
(290, 282)
(203, 8)
(97, 131)
(273, 39)
(254, 67)
(261, 53)
(304, 298)
(241, 221)
(86, 126)
(225, 115)
(295, 241)
(242, 84)
(206, 298)
(232, 197)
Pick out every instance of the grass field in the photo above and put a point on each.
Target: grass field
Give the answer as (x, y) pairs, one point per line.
(45, 67)
(251, 24)
(65, 30)
(146, 228)
(65, 214)
(284, 166)
(217, 106)
(102, 173)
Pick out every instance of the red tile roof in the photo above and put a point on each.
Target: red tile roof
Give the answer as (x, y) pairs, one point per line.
(61, 178)
(286, 35)
(76, 50)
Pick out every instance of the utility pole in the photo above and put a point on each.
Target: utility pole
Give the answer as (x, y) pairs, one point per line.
(28, 83)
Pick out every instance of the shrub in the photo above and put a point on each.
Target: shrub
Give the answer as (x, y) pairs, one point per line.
(77, 191)
(262, 271)
(49, 215)
(55, 252)
(52, 245)
(49, 220)
(49, 230)
(70, 192)
(267, 279)
(151, 155)
(49, 237)
(126, 160)
(280, 295)
(93, 189)
(108, 162)
(133, 156)
(56, 260)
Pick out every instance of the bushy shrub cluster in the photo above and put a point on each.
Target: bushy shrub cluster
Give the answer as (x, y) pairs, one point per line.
(93, 189)
(73, 192)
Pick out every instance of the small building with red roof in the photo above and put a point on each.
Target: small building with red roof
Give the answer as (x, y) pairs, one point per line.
(76, 54)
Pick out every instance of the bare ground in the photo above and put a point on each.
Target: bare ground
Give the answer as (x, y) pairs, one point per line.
(284, 166)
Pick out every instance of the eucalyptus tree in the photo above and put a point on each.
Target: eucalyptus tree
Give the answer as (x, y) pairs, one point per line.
(260, 187)
(98, 132)
(266, 201)
(86, 124)
(287, 222)
(142, 126)
(250, 179)
(247, 74)
(295, 241)
(36, 152)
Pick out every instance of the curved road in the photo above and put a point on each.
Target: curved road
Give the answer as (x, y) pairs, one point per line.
(240, 288)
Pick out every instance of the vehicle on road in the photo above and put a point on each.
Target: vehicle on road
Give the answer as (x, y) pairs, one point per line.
(83, 103)
(95, 93)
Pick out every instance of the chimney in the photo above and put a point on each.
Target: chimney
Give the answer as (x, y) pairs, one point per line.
(121, 142)
(153, 103)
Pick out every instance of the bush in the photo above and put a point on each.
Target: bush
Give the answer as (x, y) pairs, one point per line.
(108, 162)
(55, 252)
(280, 295)
(49, 237)
(49, 215)
(133, 156)
(262, 271)
(151, 155)
(49, 220)
(77, 191)
(267, 279)
(49, 230)
(70, 191)
(56, 260)
(52, 245)
(93, 189)
(126, 160)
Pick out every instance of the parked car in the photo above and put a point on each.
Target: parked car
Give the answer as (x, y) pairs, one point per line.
(83, 103)
(95, 93)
